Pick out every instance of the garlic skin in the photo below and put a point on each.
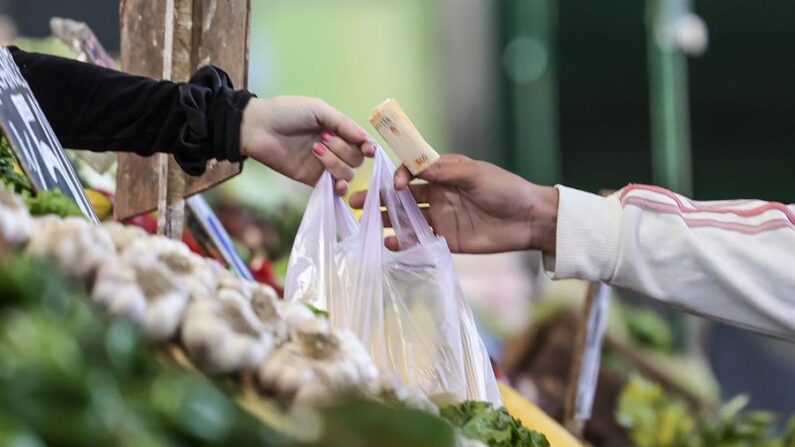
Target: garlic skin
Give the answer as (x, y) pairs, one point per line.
(143, 289)
(116, 290)
(295, 314)
(266, 305)
(198, 276)
(232, 287)
(317, 365)
(15, 221)
(224, 335)
(76, 246)
(123, 235)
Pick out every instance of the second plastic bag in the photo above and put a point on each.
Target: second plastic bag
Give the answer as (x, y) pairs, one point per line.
(407, 306)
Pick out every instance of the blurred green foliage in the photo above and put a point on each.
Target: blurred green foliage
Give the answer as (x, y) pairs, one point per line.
(378, 425)
(649, 329)
(69, 378)
(656, 419)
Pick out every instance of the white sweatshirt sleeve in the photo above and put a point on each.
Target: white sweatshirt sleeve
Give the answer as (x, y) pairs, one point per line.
(732, 261)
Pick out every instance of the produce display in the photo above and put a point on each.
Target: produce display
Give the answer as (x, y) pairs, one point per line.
(70, 378)
(236, 331)
(656, 419)
(45, 202)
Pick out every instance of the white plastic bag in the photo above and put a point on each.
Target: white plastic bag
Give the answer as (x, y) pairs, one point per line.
(406, 307)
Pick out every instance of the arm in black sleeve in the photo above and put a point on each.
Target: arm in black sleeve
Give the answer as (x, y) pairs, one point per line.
(99, 109)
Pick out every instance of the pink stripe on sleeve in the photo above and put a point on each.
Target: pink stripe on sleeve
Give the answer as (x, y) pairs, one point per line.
(667, 208)
(766, 206)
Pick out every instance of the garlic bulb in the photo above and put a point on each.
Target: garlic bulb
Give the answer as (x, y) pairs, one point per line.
(194, 272)
(233, 287)
(274, 315)
(15, 221)
(295, 314)
(143, 289)
(123, 235)
(76, 246)
(116, 290)
(166, 299)
(317, 365)
(224, 335)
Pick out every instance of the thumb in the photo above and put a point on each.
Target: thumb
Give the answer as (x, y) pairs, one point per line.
(451, 170)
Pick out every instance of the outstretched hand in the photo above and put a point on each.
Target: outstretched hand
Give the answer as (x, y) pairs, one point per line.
(301, 136)
(479, 207)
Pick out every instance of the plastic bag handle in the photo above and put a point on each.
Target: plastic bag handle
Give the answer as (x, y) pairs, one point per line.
(407, 219)
(326, 218)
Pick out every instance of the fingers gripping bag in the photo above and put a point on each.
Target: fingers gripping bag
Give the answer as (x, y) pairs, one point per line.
(406, 307)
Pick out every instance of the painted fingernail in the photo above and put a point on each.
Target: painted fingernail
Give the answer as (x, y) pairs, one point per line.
(326, 135)
(319, 149)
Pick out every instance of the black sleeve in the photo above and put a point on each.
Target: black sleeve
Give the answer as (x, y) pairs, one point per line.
(99, 109)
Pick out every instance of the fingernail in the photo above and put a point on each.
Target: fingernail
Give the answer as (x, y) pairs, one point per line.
(319, 149)
(325, 135)
(363, 134)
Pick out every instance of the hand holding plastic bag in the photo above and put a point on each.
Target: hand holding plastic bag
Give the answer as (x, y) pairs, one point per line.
(407, 307)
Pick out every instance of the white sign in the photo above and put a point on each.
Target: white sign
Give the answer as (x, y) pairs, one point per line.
(38, 150)
(592, 355)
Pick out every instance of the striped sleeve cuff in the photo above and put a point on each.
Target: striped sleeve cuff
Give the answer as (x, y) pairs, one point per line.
(588, 236)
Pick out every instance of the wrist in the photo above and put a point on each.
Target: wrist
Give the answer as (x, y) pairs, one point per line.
(246, 131)
(543, 219)
(254, 129)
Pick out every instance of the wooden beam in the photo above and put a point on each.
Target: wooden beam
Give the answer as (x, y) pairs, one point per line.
(219, 36)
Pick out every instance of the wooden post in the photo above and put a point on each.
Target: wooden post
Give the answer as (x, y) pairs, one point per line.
(172, 39)
(177, 46)
(571, 423)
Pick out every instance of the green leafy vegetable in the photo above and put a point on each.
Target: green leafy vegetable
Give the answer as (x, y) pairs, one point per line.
(648, 328)
(495, 427)
(318, 312)
(52, 202)
(656, 419)
(14, 180)
(42, 203)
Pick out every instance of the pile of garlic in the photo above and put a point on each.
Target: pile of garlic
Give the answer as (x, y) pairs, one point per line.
(226, 325)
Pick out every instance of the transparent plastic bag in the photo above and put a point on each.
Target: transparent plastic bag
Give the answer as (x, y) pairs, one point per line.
(407, 307)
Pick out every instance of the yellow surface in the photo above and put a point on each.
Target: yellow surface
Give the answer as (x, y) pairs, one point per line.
(535, 419)
(102, 205)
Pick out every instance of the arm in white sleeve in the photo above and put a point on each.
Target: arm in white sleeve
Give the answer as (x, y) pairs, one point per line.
(732, 261)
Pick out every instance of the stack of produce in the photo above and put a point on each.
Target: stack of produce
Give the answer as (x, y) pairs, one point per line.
(226, 326)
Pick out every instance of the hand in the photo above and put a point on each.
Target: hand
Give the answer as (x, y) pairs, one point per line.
(300, 137)
(481, 208)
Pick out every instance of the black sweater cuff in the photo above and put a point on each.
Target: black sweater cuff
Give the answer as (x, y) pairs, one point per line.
(213, 114)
